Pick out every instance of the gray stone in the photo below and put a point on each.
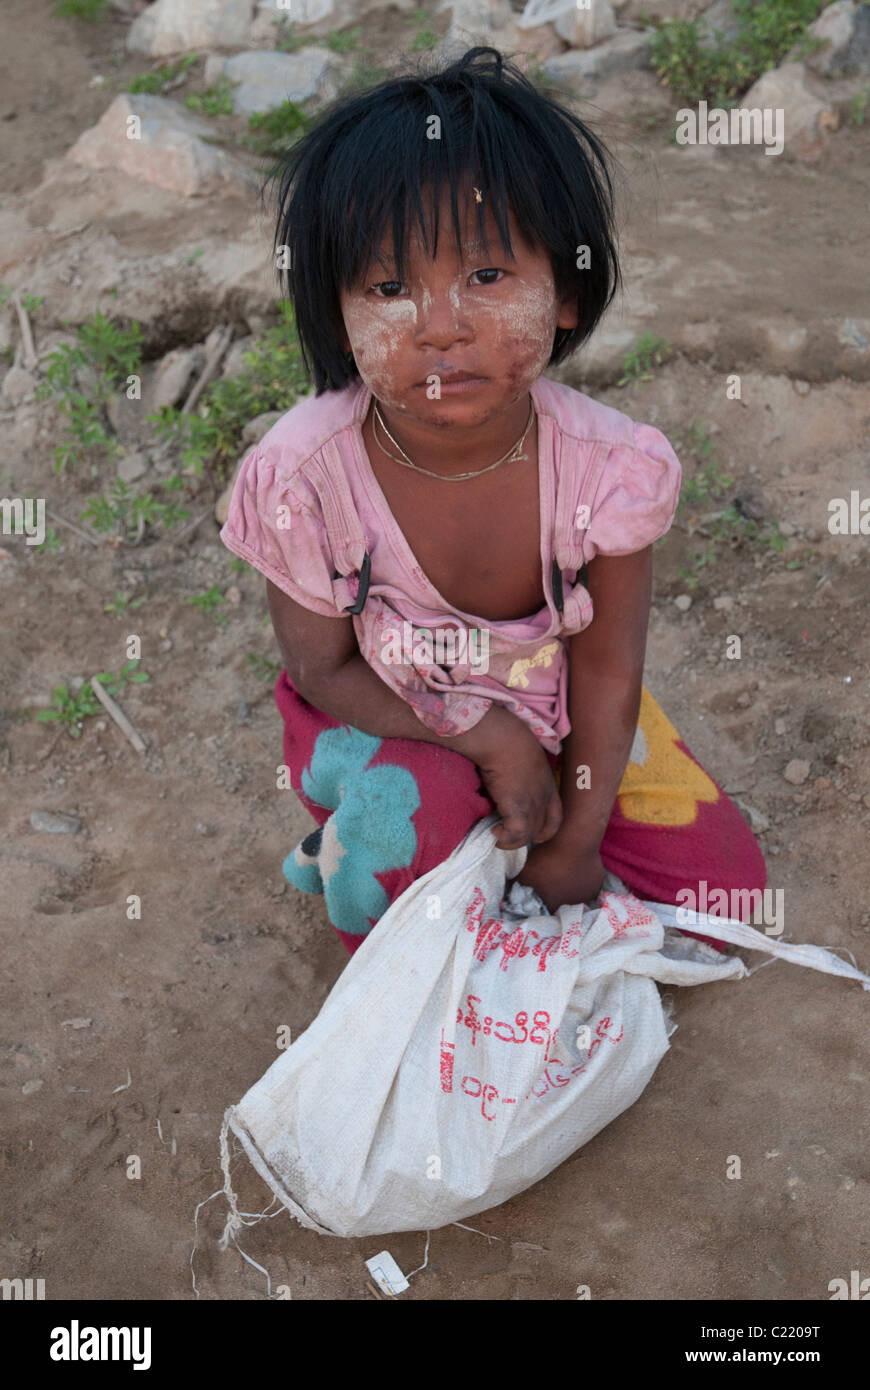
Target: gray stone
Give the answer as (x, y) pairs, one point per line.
(584, 28)
(174, 376)
(683, 602)
(132, 466)
(797, 771)
(260, 425)
(808, 118)
(718, 24)
(55, 822)
(234, 362)
(18, 385)
(845, 26)
(169, 150)
(182, 26)
(626, 50)
(268, 79)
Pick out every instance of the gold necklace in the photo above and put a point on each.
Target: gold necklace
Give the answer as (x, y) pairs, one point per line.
(512, 456)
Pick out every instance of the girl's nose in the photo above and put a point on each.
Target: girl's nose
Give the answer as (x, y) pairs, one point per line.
(442, 321)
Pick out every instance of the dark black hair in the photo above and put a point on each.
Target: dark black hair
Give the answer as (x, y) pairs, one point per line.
(368, 158)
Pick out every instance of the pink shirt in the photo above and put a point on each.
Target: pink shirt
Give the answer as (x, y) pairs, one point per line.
(607, 485)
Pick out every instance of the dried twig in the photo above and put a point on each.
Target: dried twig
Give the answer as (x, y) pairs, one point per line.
(120, 718)
(211, 365)
(62, 521)
(30, 358)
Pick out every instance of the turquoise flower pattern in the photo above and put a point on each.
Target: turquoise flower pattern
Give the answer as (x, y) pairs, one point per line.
(369, 832)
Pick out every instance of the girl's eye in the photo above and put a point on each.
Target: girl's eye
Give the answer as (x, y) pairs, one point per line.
(390, 288)
(489, 271)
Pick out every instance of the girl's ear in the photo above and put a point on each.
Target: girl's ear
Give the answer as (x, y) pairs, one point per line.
(569, 313)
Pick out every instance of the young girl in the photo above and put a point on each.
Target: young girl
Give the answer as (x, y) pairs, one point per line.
(458, 552)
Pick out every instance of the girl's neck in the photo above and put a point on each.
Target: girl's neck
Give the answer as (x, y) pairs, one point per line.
(449, 448)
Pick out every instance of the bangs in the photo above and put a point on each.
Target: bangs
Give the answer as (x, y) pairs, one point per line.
(378, 164)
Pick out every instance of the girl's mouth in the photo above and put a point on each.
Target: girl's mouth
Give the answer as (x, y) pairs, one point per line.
(456, 385)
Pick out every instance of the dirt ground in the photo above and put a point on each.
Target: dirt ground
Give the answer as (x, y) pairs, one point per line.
(186, 1001)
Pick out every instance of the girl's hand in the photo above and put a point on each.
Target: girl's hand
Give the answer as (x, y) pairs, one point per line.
(518, 779)
(562, 875)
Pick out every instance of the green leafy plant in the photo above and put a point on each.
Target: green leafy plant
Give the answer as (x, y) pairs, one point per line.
(91, 10)
(424, 38)
(647, 352)
(51, 545)
(105, 351)
(273, 132)
(214, 101)
(126, 513)
(156, 82)
(264, 668)
(211, 602)
(72, 709)
(273, 378)
(120, 604)
(858, 106)
(721, 71)
(343, 40)
(722, 523)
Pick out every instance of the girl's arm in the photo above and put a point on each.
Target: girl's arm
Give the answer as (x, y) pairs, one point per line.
(605, 676)
(322, 658)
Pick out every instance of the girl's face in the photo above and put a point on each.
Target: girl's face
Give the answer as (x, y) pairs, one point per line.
(466, 311)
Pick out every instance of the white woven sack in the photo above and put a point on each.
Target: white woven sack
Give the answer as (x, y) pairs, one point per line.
(462, 1057)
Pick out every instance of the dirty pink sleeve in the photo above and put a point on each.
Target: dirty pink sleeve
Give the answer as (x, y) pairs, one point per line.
(637, 496)
(275, 530)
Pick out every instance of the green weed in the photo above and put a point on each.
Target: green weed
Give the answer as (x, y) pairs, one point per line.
(127, 514)
(112, 354)
(647, 352)
(721, 72)
(272, 379)
(214, 101)
(71, 710)
(154, 83)
(91, 10)
(211, 602)
(264, 668)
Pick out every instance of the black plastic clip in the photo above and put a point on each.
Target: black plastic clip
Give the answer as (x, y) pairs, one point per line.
(362, 592)
(558, 595)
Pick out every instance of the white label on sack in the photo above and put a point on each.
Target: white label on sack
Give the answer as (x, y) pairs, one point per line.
(386, 1273)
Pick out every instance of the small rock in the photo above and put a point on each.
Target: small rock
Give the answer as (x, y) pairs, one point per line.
(260, 425)
(724, 603)
(744, 700)
(30, 1086)
(626, 50)
(845, 27)
(174, 375)
(77, 1023)
(169, 27)
(132, 466)
(55, 822)
(779, 726)
(585, 28)
(268, 79)
(807, 117)
(821, 784)
(797, 771)
(233, 595)
(786, 528)
(683, 602)
(802, 387)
